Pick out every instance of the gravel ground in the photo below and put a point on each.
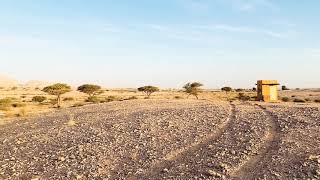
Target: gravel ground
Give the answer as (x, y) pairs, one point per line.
(164, 139)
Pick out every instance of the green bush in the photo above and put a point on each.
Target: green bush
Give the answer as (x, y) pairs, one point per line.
(39, 99)
(299, 100)
(285, 99)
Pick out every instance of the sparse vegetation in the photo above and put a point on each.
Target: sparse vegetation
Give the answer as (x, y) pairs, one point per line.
(226, 89)
(94, 99)
(132, 98)
(57, 90)
(244, 97)
(18, 104)
(39, 99)
(5, 104)
(193, 89)
(307, 99)
(148, 90)
(79, 104)
(317, 100)
(90, 89)
(178, 97)
(285, 99)
(284, 88)
(112, 98)
(299, 100)
(68, 99)
(239, 90)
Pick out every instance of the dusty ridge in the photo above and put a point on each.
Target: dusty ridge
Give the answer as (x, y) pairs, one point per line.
(178, 155)
(271, 143)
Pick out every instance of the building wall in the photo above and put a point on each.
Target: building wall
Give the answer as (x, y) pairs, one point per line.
(267, 90)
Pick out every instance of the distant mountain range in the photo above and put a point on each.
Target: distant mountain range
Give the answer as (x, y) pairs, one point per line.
(6, 81)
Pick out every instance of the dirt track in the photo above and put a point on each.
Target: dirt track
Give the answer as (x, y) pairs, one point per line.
(162, 139)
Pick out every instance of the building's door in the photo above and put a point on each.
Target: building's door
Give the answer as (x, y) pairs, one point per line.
(273, 93)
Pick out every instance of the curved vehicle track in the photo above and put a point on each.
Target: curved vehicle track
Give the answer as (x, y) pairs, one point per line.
(178, 155)
(269, 147)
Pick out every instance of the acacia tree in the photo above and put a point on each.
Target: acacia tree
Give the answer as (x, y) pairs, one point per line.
(193, 89)
(57, 90)
(90, 89)
(148, 90)
(226, 89)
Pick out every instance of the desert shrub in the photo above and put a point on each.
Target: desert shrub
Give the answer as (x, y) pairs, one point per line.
(193, 89)
(68, 99)
(226, 89)
(57, 90)
(53, 101)
(293, 96)
(148, 90)
(5, 104)
(78, 104)
(14, 88)
(317, 100)
(178, 97)
(285, 99)
(254, 97)
(37, 89)
(112, 98)
(244, 97)
(94, 99)
(39, 99)
(239, 90)
(90, 89)
(284, 88)
(299, 100)
(132, 98)
(18, 104)
(307, 99)
(23, 96)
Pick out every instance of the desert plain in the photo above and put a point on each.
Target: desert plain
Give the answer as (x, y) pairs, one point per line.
(166, 136)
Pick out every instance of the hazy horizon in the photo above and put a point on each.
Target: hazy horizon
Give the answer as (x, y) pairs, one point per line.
(164, 43)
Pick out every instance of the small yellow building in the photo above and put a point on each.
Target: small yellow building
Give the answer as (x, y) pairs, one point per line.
(267, 90)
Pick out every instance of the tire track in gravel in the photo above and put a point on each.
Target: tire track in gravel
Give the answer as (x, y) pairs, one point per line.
(272, 142)
(177, 156)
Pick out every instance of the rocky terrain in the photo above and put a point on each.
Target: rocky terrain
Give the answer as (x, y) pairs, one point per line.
(165, 139)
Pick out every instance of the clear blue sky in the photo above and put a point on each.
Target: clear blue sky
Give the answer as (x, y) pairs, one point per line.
(126, 43)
